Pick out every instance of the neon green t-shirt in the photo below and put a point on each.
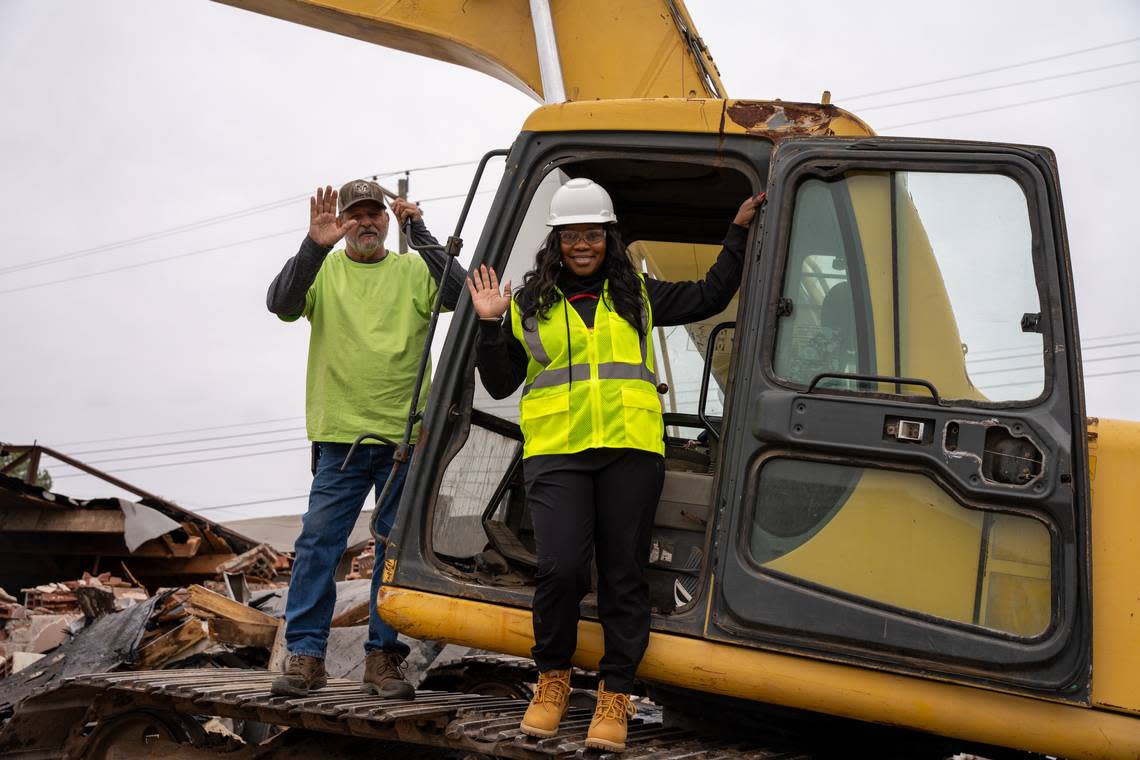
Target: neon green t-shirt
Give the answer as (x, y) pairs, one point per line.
(369, 323)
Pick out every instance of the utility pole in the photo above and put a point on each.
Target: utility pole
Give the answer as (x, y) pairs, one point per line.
(402, 191)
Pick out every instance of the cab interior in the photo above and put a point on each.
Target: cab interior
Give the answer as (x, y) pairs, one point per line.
(673, 216)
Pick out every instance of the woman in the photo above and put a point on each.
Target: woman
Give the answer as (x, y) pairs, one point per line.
(578, 336)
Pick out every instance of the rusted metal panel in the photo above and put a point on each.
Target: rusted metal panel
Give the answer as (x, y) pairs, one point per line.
(777, 118)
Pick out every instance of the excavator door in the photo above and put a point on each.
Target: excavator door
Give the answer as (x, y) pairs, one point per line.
(906, 479)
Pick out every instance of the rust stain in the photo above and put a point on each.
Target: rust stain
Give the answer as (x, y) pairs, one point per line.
(777, 118)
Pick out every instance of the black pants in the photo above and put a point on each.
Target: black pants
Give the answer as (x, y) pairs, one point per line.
(598, 502)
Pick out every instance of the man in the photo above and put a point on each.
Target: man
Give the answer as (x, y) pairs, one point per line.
(368, 310)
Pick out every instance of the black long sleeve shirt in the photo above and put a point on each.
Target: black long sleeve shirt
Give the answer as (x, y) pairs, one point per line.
(286, 296)
(501, 359)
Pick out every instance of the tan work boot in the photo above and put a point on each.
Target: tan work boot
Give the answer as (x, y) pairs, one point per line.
(302, 675)
(549, 703)
(608, 728)
(384, 676)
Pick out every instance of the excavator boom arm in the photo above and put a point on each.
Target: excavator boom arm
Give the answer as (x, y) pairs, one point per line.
(605, 48)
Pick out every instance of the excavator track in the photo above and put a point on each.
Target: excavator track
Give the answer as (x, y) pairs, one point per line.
(472, 723)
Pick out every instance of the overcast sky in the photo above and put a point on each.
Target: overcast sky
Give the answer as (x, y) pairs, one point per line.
(129, 118)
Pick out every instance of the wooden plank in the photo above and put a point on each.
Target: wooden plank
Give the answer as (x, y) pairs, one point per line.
(279, 652)
(216, 542)
(357, 614)
(203, 564)
(219, 606)
(32, 519)
(239, 634)
(188, 549)
(173, 644)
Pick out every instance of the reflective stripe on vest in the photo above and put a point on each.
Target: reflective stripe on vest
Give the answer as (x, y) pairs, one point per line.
(605, 398)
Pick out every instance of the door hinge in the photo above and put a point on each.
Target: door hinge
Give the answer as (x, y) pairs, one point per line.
(784, 307)
(1031, 322)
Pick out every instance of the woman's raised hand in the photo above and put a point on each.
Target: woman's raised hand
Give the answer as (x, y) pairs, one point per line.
(747, 209)
(483, 285)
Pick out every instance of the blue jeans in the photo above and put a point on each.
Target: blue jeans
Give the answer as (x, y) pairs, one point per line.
(335, 501)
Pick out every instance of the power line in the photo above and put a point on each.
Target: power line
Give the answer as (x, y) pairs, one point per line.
(995, 69)
(133, 457)
(1040, 366)
(1084, 344)
(201, 223)
(198, 252)
(1011, 105)
(178, 464)
(184, 430)
(450, 197)
(1084, 377)
(1041, 353)
(1023, 82)
(188, 227)
(182, 443)
(1110, 374)
(426, 168)
(250, 503)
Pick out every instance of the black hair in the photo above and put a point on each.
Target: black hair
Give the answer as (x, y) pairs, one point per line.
(538, 295)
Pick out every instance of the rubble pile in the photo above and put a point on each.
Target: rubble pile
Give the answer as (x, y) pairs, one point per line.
(194, 593)
(54, 612)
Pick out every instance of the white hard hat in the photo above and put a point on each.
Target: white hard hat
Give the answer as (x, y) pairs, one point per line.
(581, 200)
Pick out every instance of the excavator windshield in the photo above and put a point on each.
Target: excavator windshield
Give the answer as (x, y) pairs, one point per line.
(922, 275)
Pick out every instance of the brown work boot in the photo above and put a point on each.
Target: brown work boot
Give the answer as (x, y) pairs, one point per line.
(384, 676)
(548, 705)
(608, 728)
(302, 675)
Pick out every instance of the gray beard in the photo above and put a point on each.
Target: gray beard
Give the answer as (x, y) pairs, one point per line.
(367, 248)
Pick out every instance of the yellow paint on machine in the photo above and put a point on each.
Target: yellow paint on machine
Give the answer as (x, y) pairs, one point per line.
(1114, 451)
(761, 118)
(600, 56)
(948, 709)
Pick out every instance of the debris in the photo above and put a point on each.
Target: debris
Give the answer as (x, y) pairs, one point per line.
(95, 601)
(207, 604)
(357, 614)
(37, 633)
(53, 597)
(259, 563)
(182, 641)
(12, 611)
(46, 536)
(237, 633)
(363, 563)
(21, 660)
(107, 643)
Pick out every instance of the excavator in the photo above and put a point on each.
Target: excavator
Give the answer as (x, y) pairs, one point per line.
(888, 527)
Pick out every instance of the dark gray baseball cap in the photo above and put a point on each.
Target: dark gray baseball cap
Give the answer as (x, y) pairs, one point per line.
(357, 191)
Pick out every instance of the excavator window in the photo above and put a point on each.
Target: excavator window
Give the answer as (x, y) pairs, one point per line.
(926, 275)
(898, 538)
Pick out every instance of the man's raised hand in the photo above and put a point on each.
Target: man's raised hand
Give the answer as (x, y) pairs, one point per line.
(403, 209)
(483, 285)
(325, 227)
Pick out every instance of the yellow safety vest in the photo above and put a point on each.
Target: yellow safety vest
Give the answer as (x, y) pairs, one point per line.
(588, 388)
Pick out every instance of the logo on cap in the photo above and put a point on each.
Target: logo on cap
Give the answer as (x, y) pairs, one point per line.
(362, 188)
